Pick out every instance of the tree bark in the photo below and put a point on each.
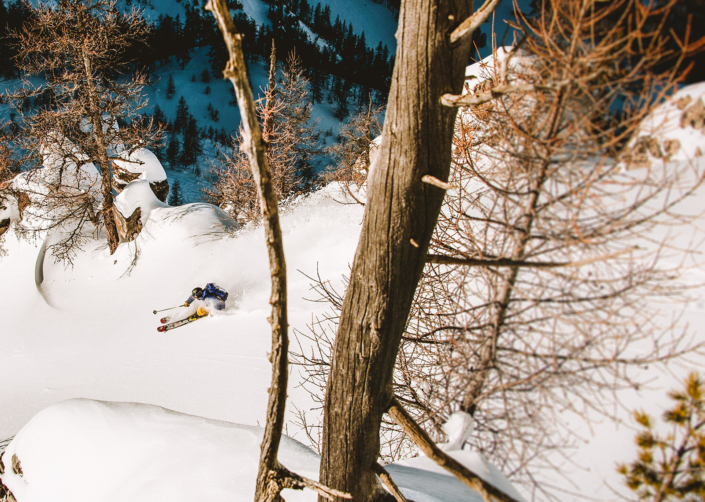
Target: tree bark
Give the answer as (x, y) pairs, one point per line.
(416, 141)
(103, 161)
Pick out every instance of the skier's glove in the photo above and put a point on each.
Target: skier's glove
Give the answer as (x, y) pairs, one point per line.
(186, 304)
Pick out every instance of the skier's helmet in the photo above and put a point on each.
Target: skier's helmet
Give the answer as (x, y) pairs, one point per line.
(197, 292)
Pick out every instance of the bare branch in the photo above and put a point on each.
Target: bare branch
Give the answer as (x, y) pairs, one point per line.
(508, 262)
(482, 97)
(388, 482)
(467, 27)
(288, 479)
(432, 180)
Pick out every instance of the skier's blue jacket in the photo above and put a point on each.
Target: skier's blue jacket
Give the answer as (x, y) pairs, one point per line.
(210, 291)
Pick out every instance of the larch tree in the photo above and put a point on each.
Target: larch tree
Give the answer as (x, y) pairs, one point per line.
(289, 129)
(546, 265)
(79, 47)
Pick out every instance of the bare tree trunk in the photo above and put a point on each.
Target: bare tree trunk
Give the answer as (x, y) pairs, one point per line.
(105, 173)
(400, 216)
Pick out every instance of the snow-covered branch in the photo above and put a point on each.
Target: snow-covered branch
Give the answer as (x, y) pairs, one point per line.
(432, 451)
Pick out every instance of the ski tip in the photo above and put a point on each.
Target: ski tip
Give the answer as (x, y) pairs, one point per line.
(161, 329)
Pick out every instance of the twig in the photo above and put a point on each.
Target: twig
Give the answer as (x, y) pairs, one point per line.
(429, 448)
(432, 180)
(288, 479)
(508, 262)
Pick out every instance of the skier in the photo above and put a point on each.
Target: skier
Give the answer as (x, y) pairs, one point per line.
(213, 296)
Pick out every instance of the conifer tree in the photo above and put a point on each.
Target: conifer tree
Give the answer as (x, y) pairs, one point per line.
(671, 467)
(290, 130)
(172, 151)
(170, 87)
(182, 115)
(191, 148)
(297, 123)
(341, 92)
(175, 196)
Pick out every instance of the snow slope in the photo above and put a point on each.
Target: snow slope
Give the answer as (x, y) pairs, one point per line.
(89, 331)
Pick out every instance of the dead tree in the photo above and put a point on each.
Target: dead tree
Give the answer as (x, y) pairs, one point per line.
(79, 47)
(353, 153)
(400, 216)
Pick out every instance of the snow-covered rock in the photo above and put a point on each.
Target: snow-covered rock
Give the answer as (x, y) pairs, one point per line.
(141, 164)
(134, 205)
(673, 131)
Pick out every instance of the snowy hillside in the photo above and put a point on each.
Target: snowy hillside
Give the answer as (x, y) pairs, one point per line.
(89, 332)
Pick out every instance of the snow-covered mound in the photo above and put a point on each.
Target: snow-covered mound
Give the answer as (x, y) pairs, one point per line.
(86, 451)
(138, 194)
(83, 450)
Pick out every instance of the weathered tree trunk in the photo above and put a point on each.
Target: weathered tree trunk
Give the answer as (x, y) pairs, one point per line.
(103, 161)
(400, 216)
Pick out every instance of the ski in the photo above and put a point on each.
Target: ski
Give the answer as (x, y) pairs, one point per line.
(177, 324)
(165, 320)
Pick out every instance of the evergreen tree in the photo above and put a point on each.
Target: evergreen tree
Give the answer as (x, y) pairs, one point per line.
(182, 115)
(170, 87)
(172, 151)
(341, 91)
(317, 84)
(159, 117)
(175, 196)
(191, 148)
